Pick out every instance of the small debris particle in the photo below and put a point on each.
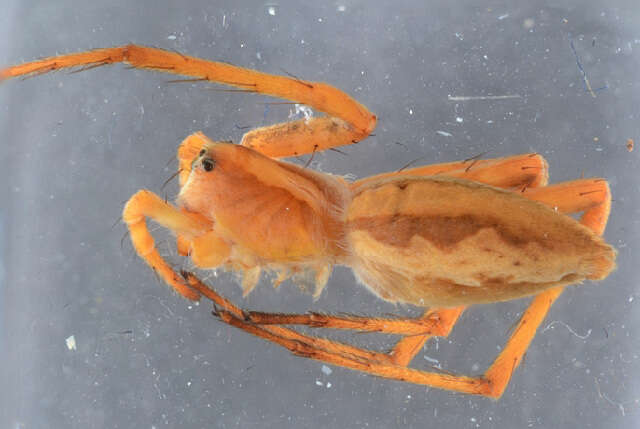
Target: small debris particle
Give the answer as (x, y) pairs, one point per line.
(271, 10)
(319, 383)
(630, 145)
(71, 342)
(444, 133)
(582, 337)
(326, 370)
(596, 139)
(342, 8)
(504, 16)
(459, 120)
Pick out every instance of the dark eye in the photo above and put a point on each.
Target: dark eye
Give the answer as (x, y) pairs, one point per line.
(208, 164)
(202, 152)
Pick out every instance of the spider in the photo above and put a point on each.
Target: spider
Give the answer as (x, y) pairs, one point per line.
(442, 237)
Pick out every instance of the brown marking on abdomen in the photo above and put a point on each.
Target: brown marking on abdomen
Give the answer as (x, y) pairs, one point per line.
(444, 232)
(410, 236)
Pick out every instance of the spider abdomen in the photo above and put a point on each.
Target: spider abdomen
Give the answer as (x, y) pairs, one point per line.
(447, 242)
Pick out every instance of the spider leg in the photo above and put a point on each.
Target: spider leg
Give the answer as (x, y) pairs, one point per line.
(353, 121)
(146, 204)
(279, 331)
(408, 347)
(386, 370)
(302, 136)
(423, 326)
(530, 170)
(332, 352)
(591, 196)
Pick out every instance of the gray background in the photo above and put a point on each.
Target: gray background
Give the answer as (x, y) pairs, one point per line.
(75, 147)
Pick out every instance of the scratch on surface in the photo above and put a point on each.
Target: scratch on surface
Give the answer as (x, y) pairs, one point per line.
(584, 73)
(606, 398)
(169, 314)
(582, 337)
(483, 97)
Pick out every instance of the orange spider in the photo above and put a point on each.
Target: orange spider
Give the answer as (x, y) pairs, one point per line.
(442, 236)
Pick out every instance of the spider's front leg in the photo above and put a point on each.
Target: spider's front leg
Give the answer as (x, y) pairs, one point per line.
(348, 121)
(189, 226)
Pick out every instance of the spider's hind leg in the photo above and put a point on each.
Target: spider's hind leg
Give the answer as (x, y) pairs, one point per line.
(591, 196)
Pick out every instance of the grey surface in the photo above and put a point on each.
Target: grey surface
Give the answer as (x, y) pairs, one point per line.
(75, 147)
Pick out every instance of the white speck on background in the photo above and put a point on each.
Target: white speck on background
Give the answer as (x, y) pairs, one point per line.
(71, 342)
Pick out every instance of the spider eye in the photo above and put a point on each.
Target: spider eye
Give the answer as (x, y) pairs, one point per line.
(208, 164)
(202, 152)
